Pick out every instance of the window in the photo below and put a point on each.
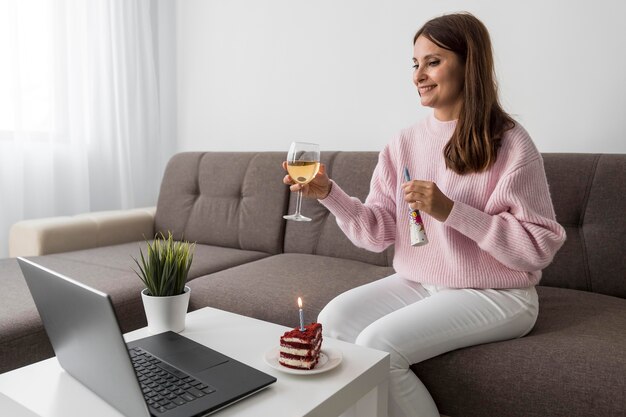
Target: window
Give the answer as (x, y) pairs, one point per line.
(26, 66)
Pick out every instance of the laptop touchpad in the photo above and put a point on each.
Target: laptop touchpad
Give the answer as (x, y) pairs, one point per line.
(196, 359)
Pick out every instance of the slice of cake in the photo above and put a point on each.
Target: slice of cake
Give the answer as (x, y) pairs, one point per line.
(301, 349)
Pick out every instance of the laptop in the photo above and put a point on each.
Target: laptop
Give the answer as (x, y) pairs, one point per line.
(165, 374)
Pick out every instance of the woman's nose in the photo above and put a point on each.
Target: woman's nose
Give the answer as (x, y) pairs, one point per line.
(419, 76)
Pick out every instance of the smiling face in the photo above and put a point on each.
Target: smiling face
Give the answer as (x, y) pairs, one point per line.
(438, 75)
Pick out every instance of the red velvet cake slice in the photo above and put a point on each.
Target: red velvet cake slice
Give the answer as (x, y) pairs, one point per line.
(301, 349)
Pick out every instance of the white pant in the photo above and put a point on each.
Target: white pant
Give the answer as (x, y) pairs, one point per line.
(415, 322)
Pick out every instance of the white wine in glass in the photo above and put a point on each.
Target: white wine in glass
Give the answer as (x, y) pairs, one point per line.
(303, 163)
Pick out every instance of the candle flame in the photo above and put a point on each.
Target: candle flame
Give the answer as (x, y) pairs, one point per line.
(299, 302)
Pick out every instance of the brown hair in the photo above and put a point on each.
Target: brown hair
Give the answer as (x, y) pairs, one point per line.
(482, 121)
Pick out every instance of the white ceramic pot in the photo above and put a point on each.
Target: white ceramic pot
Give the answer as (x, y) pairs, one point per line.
(166, 313)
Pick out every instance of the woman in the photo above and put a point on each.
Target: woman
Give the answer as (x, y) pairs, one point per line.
(481, 188)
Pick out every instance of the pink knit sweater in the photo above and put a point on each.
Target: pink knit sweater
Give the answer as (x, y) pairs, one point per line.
(501, 231)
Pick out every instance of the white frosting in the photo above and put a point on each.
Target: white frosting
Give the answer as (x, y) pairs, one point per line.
(294, 351)
(301, 352)
(297, 362)
(296, 340)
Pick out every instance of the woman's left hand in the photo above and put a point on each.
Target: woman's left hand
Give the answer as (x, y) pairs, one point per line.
(427, 197)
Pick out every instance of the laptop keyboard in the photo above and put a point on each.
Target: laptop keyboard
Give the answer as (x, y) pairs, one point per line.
(165, 387)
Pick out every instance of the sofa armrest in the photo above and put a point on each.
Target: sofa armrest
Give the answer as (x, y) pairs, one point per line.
(83, 231)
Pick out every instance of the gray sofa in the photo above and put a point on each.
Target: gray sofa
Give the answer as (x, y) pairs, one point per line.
(250, 261)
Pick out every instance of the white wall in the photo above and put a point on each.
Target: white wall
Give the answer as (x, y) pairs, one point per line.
(257, 74)
(164, 22)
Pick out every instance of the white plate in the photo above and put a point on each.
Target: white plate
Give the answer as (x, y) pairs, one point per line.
(329, 359)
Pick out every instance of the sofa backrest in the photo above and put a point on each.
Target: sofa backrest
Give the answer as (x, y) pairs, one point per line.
(353, 171)
(589, 196)
(229, 199)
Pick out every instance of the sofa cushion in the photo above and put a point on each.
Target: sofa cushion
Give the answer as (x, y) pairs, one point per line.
(584, 189)
(571, 364)
(233, 200)
(268, 289)
(123, 286)
(322, 236)
(207, 259)
(107, 269)
(24, 339)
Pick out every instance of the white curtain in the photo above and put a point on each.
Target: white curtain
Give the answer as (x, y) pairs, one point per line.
(79, 108)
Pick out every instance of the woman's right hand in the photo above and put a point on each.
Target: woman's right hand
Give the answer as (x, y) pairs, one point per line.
(318, 188)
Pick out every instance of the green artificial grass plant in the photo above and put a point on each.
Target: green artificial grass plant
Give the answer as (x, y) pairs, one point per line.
(165, 267)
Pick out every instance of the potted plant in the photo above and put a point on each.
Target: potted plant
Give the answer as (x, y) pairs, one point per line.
(164, 270)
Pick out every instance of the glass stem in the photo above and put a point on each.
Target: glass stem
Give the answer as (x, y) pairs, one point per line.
(298, 202)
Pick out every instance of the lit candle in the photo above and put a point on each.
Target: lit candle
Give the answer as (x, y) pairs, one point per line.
(301, 314)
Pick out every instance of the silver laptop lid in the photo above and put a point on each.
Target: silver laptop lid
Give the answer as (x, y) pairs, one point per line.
(86, 337)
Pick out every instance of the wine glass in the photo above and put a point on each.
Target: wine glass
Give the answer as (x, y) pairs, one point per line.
(303, 163)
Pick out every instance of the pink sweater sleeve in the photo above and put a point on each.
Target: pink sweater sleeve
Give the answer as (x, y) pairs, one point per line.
(518, 226)
(370, 225)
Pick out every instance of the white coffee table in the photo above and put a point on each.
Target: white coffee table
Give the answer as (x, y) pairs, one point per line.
(357, 387)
